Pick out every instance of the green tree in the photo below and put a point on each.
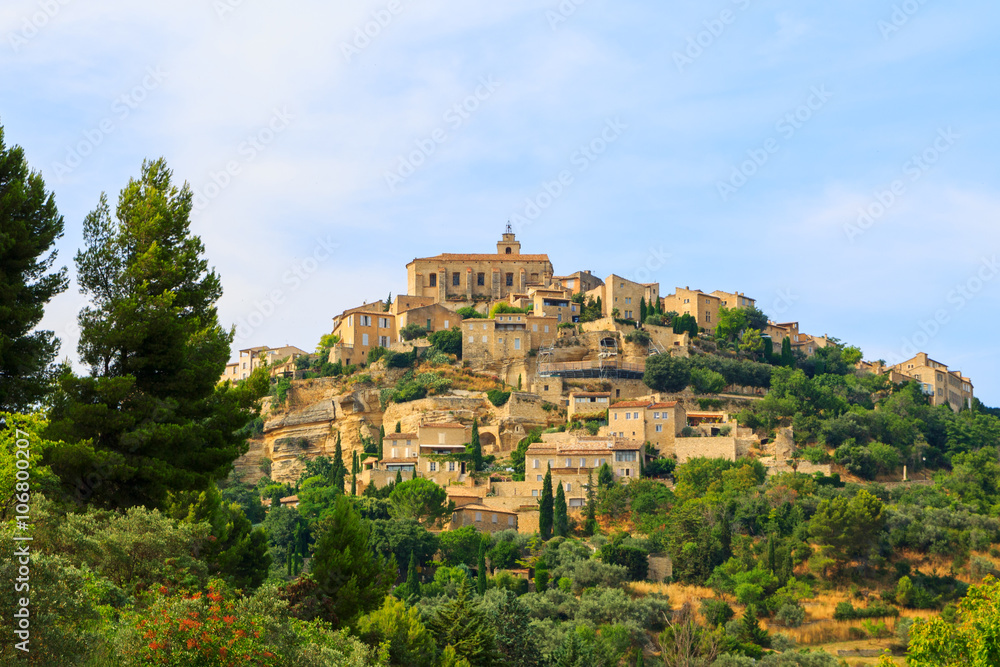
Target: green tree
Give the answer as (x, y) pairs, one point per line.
(151, 417)
(605, 478)
(751, 343)
(399, 427)
(339, 471)
(412, 583)
(731, 323)
(481, 568)
(409, 641)
(460, 546)
(541, 576)
(349, 578)
(475, 446)
(642, 309)
(787, 357)
(707, 381)
(420, 499)
(849, 528)
(355, 469)
(461, 624)
(545, 507)
(590, 524)
(560, 520)
(30, 224)
(448, 341)
(666, 373)
(509, 619)
(970, 639)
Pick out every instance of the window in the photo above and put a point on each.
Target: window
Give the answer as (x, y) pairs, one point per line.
(635, 415)
(628, 415)
(484, 339)
(456, 279)
(383, 322)
(534, 492)
(546, 328)
(535, 465)
(616, 416)
(625, 456)
(538, 478)
(656, 415)
(480, 279)
(364, 339)
(383, 341)
(433, 280)
(708, 316)
(472, 339)
(534, 327)
(510, 280)
(494, 518)
(245, 365)
(568, 487)
(517, 343)
(428, 324)
(484, 326)
(506, 251)
(510, 520)
(433, 466)
(394, 452)
(447, 323)
(366, 320)
(545, 387)
(659, 428)
(569, 463)
(451, 466)
(479, 516)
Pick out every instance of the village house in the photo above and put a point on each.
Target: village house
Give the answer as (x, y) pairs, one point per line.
(253, 357)
(655, 422)
(625, 296)
(484, 519)
(944, 386)
(506, 336)
(580, 282)
(584, 404)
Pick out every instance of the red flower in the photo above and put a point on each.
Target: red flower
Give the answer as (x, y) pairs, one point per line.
(192, 642)
(163, 590)
(228, 619)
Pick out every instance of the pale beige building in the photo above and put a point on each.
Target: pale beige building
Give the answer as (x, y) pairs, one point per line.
(361, 329)
(470, 277)
(733, 299)
(587, 403)
(506, 336)
(656, 422)
(625, 296)
(940, 383)
(484, 519)
(253, 357)
(580, 282)
(703, 307)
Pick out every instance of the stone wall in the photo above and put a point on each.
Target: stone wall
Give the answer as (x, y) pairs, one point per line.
(713, 448)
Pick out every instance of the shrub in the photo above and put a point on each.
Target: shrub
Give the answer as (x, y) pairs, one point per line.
(639, 337)
(790, 615)
(376, 353)
(706, 381)
(497, 397)
(399, 359)
(716, 612)
(412, 331)
(845, 611)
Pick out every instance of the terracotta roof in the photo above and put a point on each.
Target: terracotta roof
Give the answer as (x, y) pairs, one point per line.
(595, 394)
(631, 404)
(400, 436)
(706, 414)
(412, 459)
(444, 425)
(458, 257)
(664, 405)
(484, 508)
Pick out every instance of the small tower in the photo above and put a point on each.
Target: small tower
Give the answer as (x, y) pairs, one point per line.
(508, 245)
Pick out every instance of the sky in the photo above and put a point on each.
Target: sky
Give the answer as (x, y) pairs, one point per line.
(835, 161)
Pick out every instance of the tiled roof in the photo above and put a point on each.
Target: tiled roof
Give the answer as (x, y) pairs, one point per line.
(457, 257)
(484, 508)
(664, 405)
(444, 425)
(631, 404)
(592, 394)
(400, 436)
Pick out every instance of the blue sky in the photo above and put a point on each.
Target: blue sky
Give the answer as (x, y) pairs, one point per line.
(720, 145)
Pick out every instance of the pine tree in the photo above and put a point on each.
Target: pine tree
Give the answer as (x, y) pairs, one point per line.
(151, 415)
(476, 446)
(750, 630)
(772, 559)
(481, 568)
(29, 227)
(461, 624)
(350, 578)
(560, 520)
(590, 527)
(510, 618)
(545, 507)
(339, 471)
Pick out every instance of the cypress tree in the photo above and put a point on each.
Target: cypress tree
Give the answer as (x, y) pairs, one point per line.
(288, 559)
(590, 527)
(541, 576)
(560, 519)
(481, 568)
(642, 310)
(545, 507)
(772, 559)
(476, 446)
(380, 449)
(381, 433)
(399, 477)
(398, 427)
(412, 583)
(605, 478)
(29, 227)
(600, 308)
(339, 471)
(787, 358)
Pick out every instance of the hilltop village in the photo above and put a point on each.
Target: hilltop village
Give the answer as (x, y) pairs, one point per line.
(496, 350)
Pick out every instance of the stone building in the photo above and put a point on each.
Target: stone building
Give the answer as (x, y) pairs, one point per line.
(253, 357)
(508, 336)
(703, 307)
(483, 277)
(655, 422)
(484, 519)
(587, 403)
(942, 385)
(624, 295)
(580, 282)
